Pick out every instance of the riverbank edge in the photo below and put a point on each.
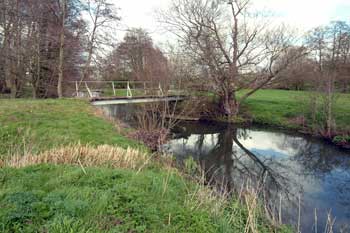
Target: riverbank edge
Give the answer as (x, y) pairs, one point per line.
(248, 122)
(287, 128)
(279, 109)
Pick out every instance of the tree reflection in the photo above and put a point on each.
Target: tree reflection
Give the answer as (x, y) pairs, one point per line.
(229, 165)
(294, 167)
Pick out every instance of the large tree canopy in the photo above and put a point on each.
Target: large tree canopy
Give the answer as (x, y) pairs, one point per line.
(238, 46)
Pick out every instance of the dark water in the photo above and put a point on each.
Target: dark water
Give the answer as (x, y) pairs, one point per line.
(292, 167)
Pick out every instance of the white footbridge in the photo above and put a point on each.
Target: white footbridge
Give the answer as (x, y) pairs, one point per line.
(127, 92)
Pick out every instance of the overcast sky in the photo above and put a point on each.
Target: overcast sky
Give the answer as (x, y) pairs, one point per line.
(303, 14)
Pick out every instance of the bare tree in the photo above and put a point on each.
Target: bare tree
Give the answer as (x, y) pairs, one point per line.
(31, 46)
(299, 75)
(11, 26)
(102, 16)
(231, 41)
(137, 58)
(330, 49)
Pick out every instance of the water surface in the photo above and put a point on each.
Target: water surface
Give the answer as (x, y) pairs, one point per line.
(292, 167)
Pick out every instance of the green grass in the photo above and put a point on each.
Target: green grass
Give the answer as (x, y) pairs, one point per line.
(44, 124)
(63, 199)
(278, 107)
(118, 92)
(48, 198)
(108, 92)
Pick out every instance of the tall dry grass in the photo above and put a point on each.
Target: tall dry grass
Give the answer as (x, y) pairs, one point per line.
(87, 156)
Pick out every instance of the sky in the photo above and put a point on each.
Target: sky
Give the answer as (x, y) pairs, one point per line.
(303, 14)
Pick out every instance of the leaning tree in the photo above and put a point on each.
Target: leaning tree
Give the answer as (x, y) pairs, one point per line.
(236, 44)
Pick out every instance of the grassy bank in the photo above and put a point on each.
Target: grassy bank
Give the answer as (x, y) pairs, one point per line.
(63, 185)
(291, 109)
(48, 198)
(278, 107)
(38, 125)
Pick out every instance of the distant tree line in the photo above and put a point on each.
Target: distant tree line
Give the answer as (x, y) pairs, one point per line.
(225, 46)
(44, 44)
(327, 62)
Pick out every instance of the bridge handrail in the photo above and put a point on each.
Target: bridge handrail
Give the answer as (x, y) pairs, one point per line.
(95, 92)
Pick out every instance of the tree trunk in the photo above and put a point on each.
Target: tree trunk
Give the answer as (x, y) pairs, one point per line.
(87, 68)
(36, 75)
(14, 89)
(329, 105)
(61, 56)
(7, 66)
(91, 44)
(228, 103)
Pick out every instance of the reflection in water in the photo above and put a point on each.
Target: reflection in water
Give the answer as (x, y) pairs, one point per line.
(290, 166)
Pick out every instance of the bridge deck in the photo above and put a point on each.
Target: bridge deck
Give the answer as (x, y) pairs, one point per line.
(97, 101)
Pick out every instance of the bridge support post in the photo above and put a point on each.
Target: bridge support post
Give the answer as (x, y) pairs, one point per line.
(160, 93)
(88, 89)
(114, 92)
(77, 88)
(128, 91)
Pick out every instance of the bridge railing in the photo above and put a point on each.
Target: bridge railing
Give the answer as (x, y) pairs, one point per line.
(129, 89)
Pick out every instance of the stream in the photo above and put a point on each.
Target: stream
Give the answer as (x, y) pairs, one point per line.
(293, 167)
(298, 171)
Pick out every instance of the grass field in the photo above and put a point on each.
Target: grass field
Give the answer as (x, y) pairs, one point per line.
(38, 125)
(278, 107)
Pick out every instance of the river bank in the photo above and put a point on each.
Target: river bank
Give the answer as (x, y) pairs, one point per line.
(290, 110)
(64, 168)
